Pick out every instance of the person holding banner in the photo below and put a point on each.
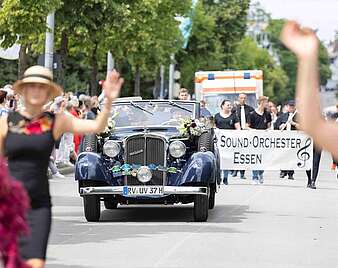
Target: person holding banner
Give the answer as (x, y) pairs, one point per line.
(260, 119)
(243, 111)
(226, 119)
(312, 174)
(287, 121)
(304, 43)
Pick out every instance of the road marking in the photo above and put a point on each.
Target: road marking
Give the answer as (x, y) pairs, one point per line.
(180, 243)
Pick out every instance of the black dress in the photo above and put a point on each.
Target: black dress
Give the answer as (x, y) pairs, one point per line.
(28, 146)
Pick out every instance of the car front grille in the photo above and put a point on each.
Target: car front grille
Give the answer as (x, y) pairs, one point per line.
(145, 150)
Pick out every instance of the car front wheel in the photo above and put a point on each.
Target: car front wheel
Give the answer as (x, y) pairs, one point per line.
(212, 197)
(92, 208)
(201, 207)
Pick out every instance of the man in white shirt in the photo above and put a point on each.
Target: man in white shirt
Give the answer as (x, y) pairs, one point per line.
(243, 111)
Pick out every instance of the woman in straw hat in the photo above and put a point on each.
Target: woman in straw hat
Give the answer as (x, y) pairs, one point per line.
(304, 43)
(27, 138)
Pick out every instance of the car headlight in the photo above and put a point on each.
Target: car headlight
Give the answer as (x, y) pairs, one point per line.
(177, 149)
(144, 174)
(111, 148)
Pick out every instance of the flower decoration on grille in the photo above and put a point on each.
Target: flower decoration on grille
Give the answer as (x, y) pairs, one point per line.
(131, 169)
(191, 127)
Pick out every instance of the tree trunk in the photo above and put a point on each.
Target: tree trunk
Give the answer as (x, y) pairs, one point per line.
(93, 80)
(157, 85)
(63, 56)
(23, 60)
(137, 86)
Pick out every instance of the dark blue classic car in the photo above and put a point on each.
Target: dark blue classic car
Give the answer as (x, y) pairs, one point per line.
(154, 154)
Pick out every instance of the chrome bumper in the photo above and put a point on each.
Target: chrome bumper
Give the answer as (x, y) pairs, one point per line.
(167, 190)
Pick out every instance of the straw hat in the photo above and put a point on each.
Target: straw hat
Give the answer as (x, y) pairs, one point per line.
(38, 74)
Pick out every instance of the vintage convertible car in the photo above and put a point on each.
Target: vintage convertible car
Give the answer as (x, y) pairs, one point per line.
(154, 152)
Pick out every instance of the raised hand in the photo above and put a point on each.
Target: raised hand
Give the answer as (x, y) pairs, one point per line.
(112, 85)
(301, 41)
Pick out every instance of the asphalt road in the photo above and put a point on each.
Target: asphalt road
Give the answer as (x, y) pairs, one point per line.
(278, 224)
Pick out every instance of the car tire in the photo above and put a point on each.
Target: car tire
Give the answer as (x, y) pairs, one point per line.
(92, 209)
(206, 142)
(110, 204)
(201, 207)
(89, 143)
(212, 197)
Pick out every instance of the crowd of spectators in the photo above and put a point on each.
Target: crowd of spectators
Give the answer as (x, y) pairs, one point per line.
(67, 148)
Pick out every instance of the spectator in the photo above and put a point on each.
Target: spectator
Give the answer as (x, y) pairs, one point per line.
(204, 111)
(87, 112)
(66, 147)
(75, 111)
(3, 109)
(95, 105)
(58, 106)
(183, 94)
(259, 119)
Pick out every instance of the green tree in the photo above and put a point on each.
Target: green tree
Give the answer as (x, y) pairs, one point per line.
(217, 28)
(85, 34)
(248, 56)
(204, 50)
(22, 22)
(288, 60)
(230, 21)
(151, 34)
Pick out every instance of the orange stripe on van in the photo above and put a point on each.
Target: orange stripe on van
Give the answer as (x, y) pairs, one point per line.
(201, 79)
(228, 89)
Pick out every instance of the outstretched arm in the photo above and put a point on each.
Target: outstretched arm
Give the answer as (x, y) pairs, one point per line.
(304, 43)
(66, 123)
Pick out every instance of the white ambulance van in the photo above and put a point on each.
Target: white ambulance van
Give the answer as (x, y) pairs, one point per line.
(214, 87)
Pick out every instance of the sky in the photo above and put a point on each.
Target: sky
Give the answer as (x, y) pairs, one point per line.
(317, 14)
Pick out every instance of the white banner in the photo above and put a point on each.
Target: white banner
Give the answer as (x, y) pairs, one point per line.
(264, 150)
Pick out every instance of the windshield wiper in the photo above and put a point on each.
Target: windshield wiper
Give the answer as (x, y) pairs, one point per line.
(179, 106)
(140, 107)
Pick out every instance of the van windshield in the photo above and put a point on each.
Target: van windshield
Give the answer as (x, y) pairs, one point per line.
(214, 101)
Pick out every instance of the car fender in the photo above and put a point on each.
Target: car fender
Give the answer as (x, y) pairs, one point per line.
(90, 166)
(200, 168)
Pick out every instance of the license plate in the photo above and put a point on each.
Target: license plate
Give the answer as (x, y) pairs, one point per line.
(142, 190)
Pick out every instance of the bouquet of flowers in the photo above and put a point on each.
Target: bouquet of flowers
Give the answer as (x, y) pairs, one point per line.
(191, 127)
(110, 127)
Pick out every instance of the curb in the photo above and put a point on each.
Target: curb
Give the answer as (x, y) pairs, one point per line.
(66, 170)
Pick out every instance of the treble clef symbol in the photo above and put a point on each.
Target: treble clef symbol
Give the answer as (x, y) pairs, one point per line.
(302, 153)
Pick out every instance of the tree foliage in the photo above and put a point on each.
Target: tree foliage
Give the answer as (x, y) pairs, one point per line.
(217, 28)
(140, 33)
(248, 56)
(230, 21)
(24, 19)
(288, 60)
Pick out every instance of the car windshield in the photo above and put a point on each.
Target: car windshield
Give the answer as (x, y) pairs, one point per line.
(147, 113)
